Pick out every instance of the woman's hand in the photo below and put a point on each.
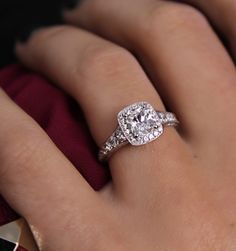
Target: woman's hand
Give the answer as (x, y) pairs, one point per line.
(176, 193)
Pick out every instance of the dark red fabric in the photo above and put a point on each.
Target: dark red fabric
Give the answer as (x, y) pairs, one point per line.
(59, 115)
(21, 249)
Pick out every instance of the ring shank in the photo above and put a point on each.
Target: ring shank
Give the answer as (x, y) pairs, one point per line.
(113, 143)
(118, 139)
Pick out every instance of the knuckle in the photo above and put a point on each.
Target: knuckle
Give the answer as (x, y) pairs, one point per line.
(106, 60)
(173, 16)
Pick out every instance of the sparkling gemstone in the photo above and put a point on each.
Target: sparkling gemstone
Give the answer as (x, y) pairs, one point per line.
(140, 123)
(108, 146)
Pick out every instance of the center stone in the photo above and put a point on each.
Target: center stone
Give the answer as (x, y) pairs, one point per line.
(140, 123)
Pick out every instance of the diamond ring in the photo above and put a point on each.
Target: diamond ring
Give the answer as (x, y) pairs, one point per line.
(138, 124)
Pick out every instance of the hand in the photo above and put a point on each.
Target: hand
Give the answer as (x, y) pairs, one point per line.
(177, 193)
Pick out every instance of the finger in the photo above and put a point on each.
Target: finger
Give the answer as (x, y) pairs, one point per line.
(189, 66)
(104, 78)
(222, 16)
(37, 180)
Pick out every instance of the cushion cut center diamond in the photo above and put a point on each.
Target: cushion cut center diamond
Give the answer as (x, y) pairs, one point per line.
(140, 123)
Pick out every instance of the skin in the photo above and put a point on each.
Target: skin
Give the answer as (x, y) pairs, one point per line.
(174, 194)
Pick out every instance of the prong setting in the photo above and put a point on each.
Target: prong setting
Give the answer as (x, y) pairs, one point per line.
(140, 123)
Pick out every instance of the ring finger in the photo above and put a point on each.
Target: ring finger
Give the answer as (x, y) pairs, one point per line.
(186, 61)
(105, 78)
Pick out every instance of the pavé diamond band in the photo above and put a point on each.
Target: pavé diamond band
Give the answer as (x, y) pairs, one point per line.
(138, 124)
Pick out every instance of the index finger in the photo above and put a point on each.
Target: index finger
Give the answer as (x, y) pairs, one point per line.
(37, 180)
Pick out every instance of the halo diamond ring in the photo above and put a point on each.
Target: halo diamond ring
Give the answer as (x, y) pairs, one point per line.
(138, 124)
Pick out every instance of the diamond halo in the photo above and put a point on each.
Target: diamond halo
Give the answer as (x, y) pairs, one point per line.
(140, 123)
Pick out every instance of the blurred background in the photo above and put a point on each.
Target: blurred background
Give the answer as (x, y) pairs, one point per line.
(19, 17)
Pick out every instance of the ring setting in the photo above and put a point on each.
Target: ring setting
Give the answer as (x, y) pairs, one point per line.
(138, 124)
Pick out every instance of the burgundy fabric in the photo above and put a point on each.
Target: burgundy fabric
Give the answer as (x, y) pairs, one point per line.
(21, 249)
(59, 115)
